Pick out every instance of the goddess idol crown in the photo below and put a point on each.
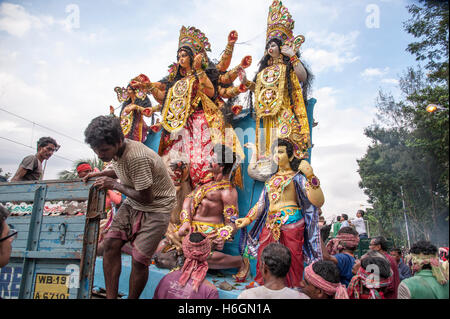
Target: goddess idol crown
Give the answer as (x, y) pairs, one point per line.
(280, 26)
(194, 39)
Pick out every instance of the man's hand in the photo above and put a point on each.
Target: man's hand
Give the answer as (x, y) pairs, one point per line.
(105, 183)
(88, 176)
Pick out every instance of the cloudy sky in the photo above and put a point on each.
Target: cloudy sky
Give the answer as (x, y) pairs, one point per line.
(60, 60)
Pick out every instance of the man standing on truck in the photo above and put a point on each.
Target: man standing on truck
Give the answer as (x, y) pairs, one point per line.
(30, 169)
(144, 216)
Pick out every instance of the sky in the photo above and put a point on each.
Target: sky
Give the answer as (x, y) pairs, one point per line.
(60, 61)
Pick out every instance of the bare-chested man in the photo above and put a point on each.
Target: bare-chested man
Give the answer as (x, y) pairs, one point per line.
(212, 209)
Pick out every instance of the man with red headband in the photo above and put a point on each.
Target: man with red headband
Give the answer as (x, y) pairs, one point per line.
(322, 281)
(83, 169)
(372, 279)
(189, 282)
(341, 251)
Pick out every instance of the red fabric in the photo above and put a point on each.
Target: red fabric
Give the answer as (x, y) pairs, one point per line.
(391, 290)
(337, 290)
(292, 236)
(84, 167)
(195, 141)
(195, 266)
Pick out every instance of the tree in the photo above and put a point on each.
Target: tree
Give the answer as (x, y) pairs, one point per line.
(72, 174)
(410, 146)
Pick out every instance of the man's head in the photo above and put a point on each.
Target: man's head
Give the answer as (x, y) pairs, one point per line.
(425, 248)
(275, 261)
(338, 219)
(46, 146)
(349, 245)
(360, 213)
(5, 237)
(105, 137)
(376, 264)
(328, 272)
(379, 244)
(396, 253)
(223, 159)
(344, 217)
(83, 169)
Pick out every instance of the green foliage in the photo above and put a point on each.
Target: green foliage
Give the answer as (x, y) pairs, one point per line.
(72, 174)
(409, 145)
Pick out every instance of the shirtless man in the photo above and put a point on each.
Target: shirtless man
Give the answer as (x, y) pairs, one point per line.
(211, 209)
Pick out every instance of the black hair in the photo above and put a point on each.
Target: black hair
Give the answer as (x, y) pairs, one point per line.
(382, 263)
(380, 240)
(4, 213)
(327, 270)
(225, 157)
(423, 247)
(398, 250)
(345, 216)
(103, 130)
(290, 152)
(44, 141)
(338, 218)
(196, 237)
(277, 258)
(361, 212)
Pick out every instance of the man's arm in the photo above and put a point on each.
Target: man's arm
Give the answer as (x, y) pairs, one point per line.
(107, 172)
(326, 255)
(19, 174)
(144, 196)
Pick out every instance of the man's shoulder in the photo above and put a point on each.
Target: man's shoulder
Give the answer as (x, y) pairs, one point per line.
(138, 151)
(29, 159)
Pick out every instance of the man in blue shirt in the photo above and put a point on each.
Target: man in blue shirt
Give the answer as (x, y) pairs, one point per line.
(403, 269)
(341, 251)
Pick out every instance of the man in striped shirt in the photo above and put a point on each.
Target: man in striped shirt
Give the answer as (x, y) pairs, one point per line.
(144, 216)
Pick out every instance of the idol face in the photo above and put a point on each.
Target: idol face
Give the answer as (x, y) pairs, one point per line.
(184, 59)
(280, 156)
(273, 50)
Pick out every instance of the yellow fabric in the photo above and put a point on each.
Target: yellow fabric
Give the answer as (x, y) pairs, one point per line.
(273, 105)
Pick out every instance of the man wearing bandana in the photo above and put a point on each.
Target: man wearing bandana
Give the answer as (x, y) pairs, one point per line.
(430, 280)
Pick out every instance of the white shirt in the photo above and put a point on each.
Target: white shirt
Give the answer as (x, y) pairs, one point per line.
(345, 224)
(360, 226)
(262, 292)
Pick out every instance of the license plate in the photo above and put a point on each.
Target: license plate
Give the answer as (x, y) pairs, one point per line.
(48, 286)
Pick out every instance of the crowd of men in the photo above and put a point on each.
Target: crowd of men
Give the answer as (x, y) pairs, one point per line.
(142, 219)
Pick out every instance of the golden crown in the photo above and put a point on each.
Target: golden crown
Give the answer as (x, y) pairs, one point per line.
(280, 25)
(194, 39)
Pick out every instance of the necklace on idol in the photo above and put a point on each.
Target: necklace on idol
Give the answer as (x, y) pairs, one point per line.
(277, 184)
